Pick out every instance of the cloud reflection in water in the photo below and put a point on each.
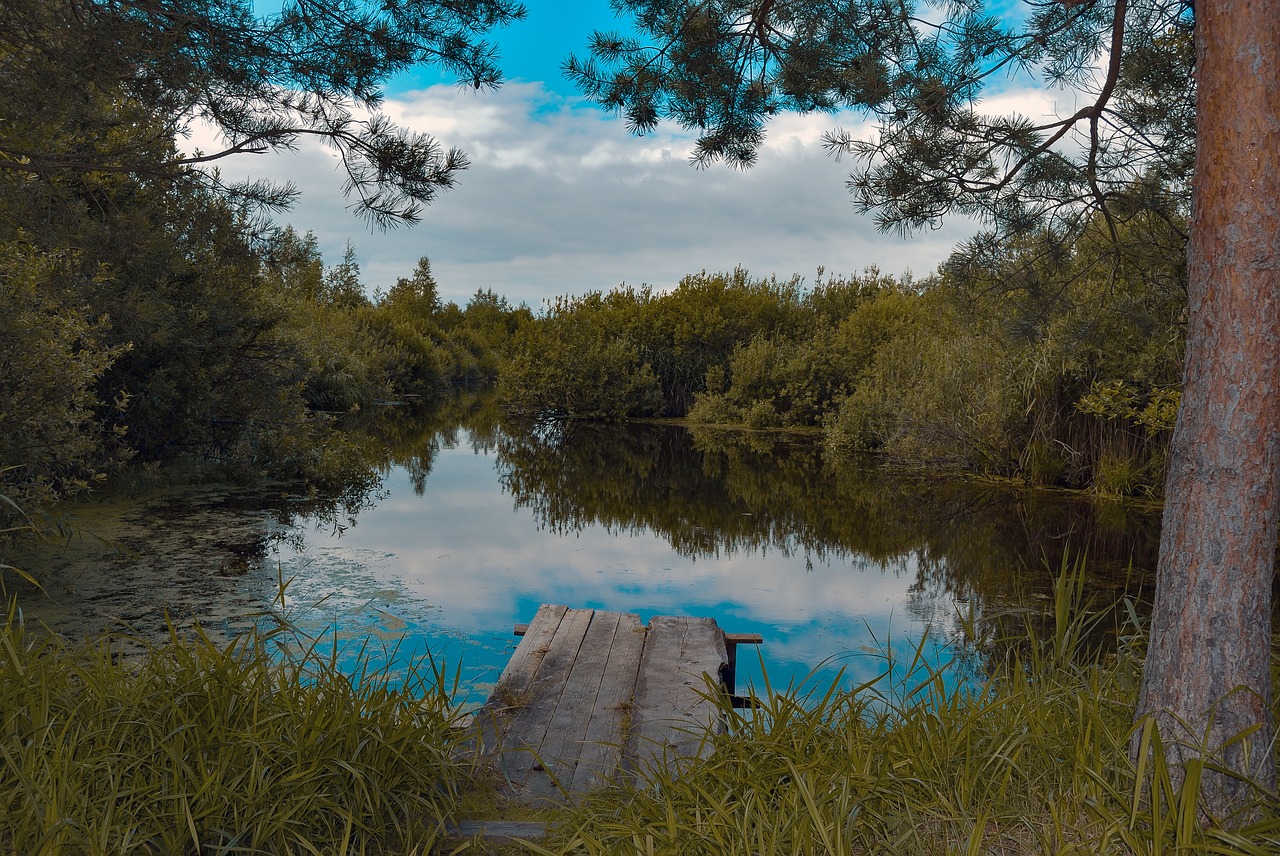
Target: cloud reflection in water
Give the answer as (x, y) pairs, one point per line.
(452, 570)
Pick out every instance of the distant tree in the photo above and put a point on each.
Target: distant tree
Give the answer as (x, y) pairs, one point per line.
(342, 286)
(493, 319)
(417, 296)
(724, 69)
(91, 86)
(293, 264)
(487, 298)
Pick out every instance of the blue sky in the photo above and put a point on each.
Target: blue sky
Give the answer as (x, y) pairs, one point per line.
(533, 49)
(560, 199)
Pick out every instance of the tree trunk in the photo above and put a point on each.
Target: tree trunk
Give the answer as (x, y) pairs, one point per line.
(1207, 677)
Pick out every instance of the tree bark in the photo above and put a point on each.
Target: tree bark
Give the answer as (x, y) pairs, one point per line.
(1207, 677)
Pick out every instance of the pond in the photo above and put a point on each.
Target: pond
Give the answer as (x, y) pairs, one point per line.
(478, 520)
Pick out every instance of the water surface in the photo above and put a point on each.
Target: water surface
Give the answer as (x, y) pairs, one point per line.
(477, 523)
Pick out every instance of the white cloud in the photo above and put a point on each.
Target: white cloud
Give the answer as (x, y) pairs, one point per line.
(561, 199)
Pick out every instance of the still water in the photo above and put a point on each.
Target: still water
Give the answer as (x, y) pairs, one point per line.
(477, 522)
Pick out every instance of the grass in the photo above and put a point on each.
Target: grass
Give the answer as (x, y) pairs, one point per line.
(197, 749)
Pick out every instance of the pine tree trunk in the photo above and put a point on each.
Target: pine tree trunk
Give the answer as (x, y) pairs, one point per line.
(1207, 676)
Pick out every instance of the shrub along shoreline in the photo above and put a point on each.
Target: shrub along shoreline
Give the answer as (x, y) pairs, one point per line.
(1054, 369)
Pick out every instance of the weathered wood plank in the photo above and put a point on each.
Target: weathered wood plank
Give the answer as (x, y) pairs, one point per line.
(528, 726)
(610, 724)
(518, 676)
(671, 709)
(591, 693)
(558, 755)
(513, 686)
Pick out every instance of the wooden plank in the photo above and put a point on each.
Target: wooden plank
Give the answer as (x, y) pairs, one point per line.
(606, 735)
(588, 693)
(517, 677)
(671, 711)
(560, 749)
(513, 686)
(528, 726)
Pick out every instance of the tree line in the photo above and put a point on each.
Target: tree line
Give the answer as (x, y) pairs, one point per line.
(1054, 364)
(142, 325)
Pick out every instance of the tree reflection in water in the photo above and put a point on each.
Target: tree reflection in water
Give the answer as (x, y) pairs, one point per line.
(714, 493)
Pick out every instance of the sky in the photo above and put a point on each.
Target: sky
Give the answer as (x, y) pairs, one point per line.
(561, 199)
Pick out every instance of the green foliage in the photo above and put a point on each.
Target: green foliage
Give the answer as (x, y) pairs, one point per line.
(405, 344)
(480, 337)
(936, 392)
(210, 369)
(341, 287)
(723, 71)
(51, 360)
(195, 748)
(156, 329)
(311, 70)
(144, 324)
(795, 381)
(700, 323)
(1057, 364)
(580, 359)
(649, 351)
(576, 362)
(1034, 361)
(416, 298)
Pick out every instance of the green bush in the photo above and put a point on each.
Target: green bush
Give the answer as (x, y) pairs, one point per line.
(798, 381)
(715, 409)
(580, 359)
(650, 351)
(52, 356)
(934, 394)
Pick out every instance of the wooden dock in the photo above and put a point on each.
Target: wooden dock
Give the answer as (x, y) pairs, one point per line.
(589, 694)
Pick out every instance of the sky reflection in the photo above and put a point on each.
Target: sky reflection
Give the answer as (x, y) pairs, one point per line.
(454, 569)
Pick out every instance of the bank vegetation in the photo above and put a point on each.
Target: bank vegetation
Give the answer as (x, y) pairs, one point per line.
(1052, 362)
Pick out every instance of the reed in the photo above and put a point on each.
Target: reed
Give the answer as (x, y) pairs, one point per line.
(200, 749)
(1033, 758)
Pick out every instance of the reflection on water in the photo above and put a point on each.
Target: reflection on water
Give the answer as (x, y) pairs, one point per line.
(833, 564)
(478, 523)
